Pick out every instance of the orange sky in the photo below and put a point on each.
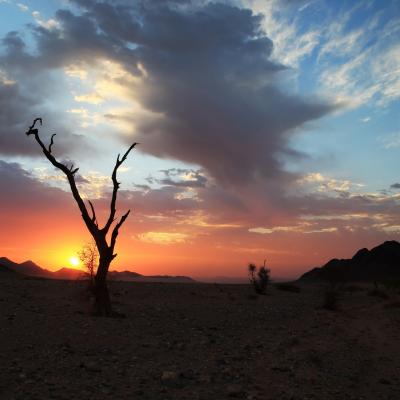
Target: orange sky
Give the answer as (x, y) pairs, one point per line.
(50, 236)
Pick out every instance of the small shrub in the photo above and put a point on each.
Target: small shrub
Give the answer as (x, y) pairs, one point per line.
(288, 287)
(259, 278)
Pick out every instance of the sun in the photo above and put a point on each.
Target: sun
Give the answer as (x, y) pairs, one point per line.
(74, 261)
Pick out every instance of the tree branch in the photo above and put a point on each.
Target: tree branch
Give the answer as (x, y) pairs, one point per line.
(51, 142)
(31, 130)
(68, 172)
(94, 219)
(115, 232)
(116, 184)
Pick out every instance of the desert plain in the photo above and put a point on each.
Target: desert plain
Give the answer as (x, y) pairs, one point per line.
(197, 341)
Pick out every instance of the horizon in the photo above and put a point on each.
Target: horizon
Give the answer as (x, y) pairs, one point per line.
(202, 279)
(267, 130)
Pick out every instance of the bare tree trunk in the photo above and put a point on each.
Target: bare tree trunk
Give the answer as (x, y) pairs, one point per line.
(101, 294)
(102, 298)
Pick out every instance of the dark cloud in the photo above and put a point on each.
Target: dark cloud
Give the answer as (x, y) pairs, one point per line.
(214, 207)
(15, 114)
(209, 79)
(161, 201)
(27, 91)
(21, 192)
(185, 178)
(142, 187)
(213, 84)
(395, 186)
(18, 109)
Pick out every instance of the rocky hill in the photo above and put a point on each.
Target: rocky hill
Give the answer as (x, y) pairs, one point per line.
(382, 263)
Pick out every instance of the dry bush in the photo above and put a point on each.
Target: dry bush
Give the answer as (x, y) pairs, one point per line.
(260, 278)
(89, 257)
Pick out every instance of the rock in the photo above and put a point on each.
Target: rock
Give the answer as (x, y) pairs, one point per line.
(90, 366)
(281, 368)
(235, 391)
(171, 379)
(188, 374)
(204, 379)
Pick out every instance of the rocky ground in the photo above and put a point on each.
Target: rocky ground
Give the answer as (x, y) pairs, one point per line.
(196, 341)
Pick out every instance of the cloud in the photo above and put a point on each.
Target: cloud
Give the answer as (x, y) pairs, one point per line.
(354, 49)
(92, 98)
(395, 186)
(24, 192)
(357, 65)
(320, 183)
(292, 43)
(163, 238)
(211, 76)
(47, 24)
(24, 95)
(390, 141)
(185, 178)
(301, 228)
(23, 7)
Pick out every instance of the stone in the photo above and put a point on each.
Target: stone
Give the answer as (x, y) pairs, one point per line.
(235, 391)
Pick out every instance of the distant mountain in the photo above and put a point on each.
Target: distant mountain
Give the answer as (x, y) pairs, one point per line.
(135, 277)
(166, 278)
(124, 275)
(226, 279)
(5, 272)
(380, 263)
(68, 274)
(26, 268)
(29, 268)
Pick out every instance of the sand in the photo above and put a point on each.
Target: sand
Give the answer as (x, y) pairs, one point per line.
(196, 341)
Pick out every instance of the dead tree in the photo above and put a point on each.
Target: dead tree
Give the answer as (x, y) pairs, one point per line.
(105, 245)
(89, 258)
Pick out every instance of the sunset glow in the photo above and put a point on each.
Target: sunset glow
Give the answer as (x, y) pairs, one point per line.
(267, 130)
(74, 261)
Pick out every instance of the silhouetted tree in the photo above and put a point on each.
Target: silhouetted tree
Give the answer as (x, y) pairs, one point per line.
(89, 256)
(105, 245)
(259, 279)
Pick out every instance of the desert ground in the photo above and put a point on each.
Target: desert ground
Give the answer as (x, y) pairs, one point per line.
(196, 341)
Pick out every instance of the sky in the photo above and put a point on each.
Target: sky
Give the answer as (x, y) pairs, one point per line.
(267, 129)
